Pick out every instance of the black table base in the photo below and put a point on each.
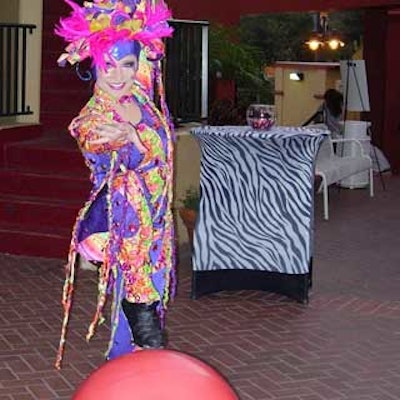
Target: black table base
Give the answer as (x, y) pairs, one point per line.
(295, 286)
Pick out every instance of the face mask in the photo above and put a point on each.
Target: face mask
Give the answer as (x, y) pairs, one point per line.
(124, 48)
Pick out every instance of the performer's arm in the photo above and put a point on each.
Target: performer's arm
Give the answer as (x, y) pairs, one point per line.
(97, 134)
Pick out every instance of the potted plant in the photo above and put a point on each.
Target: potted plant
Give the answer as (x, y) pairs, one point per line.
(188, 211)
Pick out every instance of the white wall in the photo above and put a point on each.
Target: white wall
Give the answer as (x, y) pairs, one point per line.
(9, 11)
(187, 173)
(31, 12)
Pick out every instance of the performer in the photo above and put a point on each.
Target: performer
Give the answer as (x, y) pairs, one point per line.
(126, 226)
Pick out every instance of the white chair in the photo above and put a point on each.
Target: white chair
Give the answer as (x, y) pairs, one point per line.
(332, 168)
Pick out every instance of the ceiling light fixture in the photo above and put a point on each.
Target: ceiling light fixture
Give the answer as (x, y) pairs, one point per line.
(322, 35)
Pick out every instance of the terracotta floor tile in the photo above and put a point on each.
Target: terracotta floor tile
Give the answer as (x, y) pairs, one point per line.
(343, 345)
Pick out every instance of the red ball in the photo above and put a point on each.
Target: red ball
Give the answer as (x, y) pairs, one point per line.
(155, 375)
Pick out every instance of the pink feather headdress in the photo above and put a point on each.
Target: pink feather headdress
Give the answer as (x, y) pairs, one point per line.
(93, 29)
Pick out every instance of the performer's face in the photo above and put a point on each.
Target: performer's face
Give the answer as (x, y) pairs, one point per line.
(118, 76)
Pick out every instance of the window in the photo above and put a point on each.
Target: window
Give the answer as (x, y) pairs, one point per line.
(186, 71)
(13, 69)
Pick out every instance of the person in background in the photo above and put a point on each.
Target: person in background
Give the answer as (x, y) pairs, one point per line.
(330, 113)
(126, 226)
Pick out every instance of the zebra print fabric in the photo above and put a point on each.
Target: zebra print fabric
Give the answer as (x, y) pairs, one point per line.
(256, 207)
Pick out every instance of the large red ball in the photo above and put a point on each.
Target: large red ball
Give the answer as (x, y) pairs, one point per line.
(155, 375)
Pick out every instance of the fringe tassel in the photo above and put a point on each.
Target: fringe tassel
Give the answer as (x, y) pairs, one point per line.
(68, 288)
(104, 274)
(66, 302)
(101, 299)
(115, 308)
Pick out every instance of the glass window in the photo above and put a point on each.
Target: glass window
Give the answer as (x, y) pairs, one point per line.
(186, 71)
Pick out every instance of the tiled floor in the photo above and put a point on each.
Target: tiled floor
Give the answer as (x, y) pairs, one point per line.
(343, 345)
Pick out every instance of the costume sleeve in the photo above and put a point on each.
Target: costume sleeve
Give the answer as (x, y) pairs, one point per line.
(84, 129)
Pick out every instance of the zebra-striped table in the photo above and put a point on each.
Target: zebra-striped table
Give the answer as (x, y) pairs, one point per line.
(255, 224)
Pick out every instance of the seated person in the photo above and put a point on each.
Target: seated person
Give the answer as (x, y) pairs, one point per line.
(330, 113)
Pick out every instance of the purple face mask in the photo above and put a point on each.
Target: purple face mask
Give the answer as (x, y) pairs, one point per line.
(124, 48)
(120, 50)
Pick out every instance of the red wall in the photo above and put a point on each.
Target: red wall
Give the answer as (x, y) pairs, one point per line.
(375, 23)
(382, 33)
(391, 125)
(229, 11)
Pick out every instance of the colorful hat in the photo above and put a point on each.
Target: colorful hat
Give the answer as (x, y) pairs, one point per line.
(93, 29)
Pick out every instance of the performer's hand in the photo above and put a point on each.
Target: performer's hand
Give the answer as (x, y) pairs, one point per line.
(118, 132)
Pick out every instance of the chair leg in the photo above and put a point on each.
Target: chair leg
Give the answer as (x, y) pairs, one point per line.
(371, 182)
(326, 198)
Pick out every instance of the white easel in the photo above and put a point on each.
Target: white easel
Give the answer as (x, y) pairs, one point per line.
(356, 98)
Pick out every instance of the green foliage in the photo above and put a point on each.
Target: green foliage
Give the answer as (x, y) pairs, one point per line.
(282, 36)
(241, 53)
(278, 36)
(350, 25)
(229, 58)
(191, 199)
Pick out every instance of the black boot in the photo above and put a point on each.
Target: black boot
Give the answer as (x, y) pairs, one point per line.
(144, 323)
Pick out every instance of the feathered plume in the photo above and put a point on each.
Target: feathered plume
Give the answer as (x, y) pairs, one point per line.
(93, 29)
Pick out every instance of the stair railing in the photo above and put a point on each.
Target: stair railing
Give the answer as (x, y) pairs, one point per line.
(13, 67)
